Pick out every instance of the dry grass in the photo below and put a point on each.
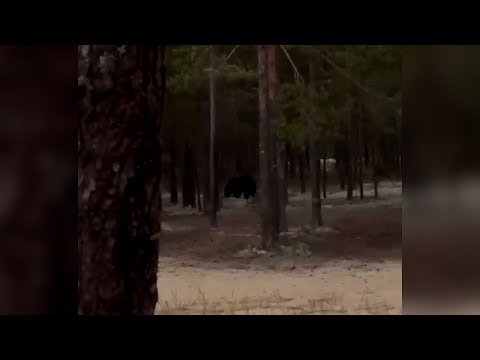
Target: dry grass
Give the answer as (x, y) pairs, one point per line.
(270, 304)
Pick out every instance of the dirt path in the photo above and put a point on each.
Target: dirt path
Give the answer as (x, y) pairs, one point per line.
(353, 266)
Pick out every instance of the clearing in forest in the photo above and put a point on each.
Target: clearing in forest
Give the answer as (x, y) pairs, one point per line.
(353, 265)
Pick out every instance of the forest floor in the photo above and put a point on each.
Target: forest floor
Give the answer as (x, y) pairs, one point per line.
(353, 265)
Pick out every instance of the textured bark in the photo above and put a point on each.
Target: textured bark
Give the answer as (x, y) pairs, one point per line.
(119, 172)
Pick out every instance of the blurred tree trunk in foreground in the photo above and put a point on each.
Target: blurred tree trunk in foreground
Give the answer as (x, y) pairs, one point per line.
(118, 178)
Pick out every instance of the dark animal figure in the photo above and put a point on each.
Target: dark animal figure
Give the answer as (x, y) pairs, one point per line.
(239, 185)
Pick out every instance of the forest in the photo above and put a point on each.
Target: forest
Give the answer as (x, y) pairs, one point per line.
(164, 130)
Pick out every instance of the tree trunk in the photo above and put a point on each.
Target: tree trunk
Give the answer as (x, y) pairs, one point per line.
(278, 146)
(360, 160)
(285, 186)
(213, 200)
(198, 189)
(367, 156)
(360, 178)
(117, 214)
(188, 183)
(301, 172)
(324, 173)
(340, 163)
(348, 165)
(206, 192)
(173, 176)
(216, 193)
(307, 157)
(375, 171)
(267, 171)
(316, 220)
(291, 162)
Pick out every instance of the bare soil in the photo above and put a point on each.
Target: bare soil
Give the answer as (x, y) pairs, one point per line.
(353, 265)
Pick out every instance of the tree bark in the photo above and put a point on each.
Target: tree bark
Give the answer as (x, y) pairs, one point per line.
(118, 170)
(285, 185)
(375, 170)
(269, 213)
(348, 163)
(188, 183)
(213, 200)
(301, 171)
(340, 163)
(198, 189)
(291, 162)
(278, 146)
(317, 219)
(173, 176)
(367, 156)
(324, 173)
(360, 159)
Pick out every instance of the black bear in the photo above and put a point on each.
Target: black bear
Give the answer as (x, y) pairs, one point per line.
(239, 185)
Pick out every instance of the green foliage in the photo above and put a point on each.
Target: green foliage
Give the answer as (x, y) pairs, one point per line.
(351, 80)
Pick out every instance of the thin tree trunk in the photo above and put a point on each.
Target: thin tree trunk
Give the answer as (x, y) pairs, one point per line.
(213, 200)
(285, 186)
(348, 165)
(277, 170)
(173, 176)
(206, 192)
(301, 172)
(198, 188)
(216, 194)
(264, 148)
(375, 170)
(278, 146)
(342, 174)
(360, 160)
(291, 162)
(354, 147)
(367, 156)
(267, 155)
(324, 173)
(188, 188)
(307, 158)
(317, 219)
(340, 163)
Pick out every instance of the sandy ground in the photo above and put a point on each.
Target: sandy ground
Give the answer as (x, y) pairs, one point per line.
(346, 287)
(352, 266)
